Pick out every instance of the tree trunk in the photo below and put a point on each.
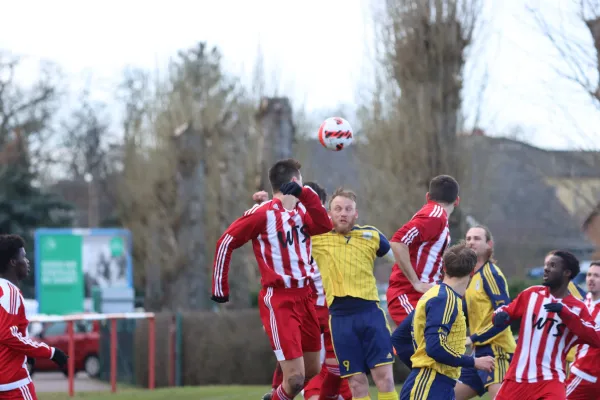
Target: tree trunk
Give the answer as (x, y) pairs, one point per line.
(278, 134)
(189, 286)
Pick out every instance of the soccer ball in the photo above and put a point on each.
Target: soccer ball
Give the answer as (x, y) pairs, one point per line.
(335, 134)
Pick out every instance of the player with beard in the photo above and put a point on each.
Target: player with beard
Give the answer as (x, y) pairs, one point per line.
(584, 380)
(359, 330)
(486, 292)
(552, 322)
(327, 384)
(280, 231)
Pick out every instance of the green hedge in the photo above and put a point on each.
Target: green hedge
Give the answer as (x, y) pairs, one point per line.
(218, 349)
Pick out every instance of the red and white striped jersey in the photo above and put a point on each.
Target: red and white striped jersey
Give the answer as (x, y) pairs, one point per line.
(427, 235)
(587, 361)
(545, 338)
(317, 284)
(280, 240)
(15, 345)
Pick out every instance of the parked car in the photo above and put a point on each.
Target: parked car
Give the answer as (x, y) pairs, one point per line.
(87, 345)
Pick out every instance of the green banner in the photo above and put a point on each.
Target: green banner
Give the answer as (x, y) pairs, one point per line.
(61, 284)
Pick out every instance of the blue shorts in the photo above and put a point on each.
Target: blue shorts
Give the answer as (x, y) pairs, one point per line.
(480, 380)
(360, 335)
(427, 384)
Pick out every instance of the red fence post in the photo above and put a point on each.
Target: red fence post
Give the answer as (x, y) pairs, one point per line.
(71, 361)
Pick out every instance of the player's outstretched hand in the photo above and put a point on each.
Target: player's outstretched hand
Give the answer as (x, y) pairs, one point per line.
(60, 358)
(554, 307)
(486, 363)
(291, 188)
(219, 299)
(501, 319)
(422, 287)
(261, 196)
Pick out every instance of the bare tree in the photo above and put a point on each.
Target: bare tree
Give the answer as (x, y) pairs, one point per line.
(29, 110)
(412, 120)
(579, 60)
(580, 64)
(187, 175)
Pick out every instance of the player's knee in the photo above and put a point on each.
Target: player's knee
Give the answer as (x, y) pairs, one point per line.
(383, 377)
(359, 385)
(296, 383)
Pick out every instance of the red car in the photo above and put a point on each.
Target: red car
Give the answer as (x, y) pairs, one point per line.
(87, 345)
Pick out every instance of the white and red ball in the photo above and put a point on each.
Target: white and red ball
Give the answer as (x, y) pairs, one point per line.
(336, 134)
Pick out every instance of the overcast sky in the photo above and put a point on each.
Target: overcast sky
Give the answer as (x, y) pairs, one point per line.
(318, 51)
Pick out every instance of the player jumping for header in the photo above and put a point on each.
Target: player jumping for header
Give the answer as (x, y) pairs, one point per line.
(418, 247)
(280, 231)
(327, 384)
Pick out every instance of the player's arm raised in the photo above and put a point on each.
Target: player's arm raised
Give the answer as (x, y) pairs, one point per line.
(581, 325)
(317, 220)
(417, 230)
(239, 232)
(496, 288)
(440, 318)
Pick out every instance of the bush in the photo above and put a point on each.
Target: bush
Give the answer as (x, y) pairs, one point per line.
(218, 349)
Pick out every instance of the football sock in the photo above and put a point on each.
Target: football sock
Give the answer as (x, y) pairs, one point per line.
(387, 395)
(361, 398)
(280, 394)
(277, 377)
(330, 388)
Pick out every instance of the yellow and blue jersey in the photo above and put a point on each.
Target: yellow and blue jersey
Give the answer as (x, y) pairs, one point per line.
(486, 292)
(359, 331)
(439, 330)
(346, 262)
(576, 291)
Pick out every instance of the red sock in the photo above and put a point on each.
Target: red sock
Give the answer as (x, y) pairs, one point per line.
(277, 377)
(330, 389)
(280, 394)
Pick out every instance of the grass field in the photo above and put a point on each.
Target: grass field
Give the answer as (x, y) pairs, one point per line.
(184, 393)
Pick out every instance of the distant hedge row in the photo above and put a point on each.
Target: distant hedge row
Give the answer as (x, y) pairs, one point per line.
(226, 348)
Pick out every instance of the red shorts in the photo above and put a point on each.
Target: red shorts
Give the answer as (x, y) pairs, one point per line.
(544, 390)
(24, 392)
(323, 314)
(400, 306)
(313, 388)
(580, 389)
(290, 320)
